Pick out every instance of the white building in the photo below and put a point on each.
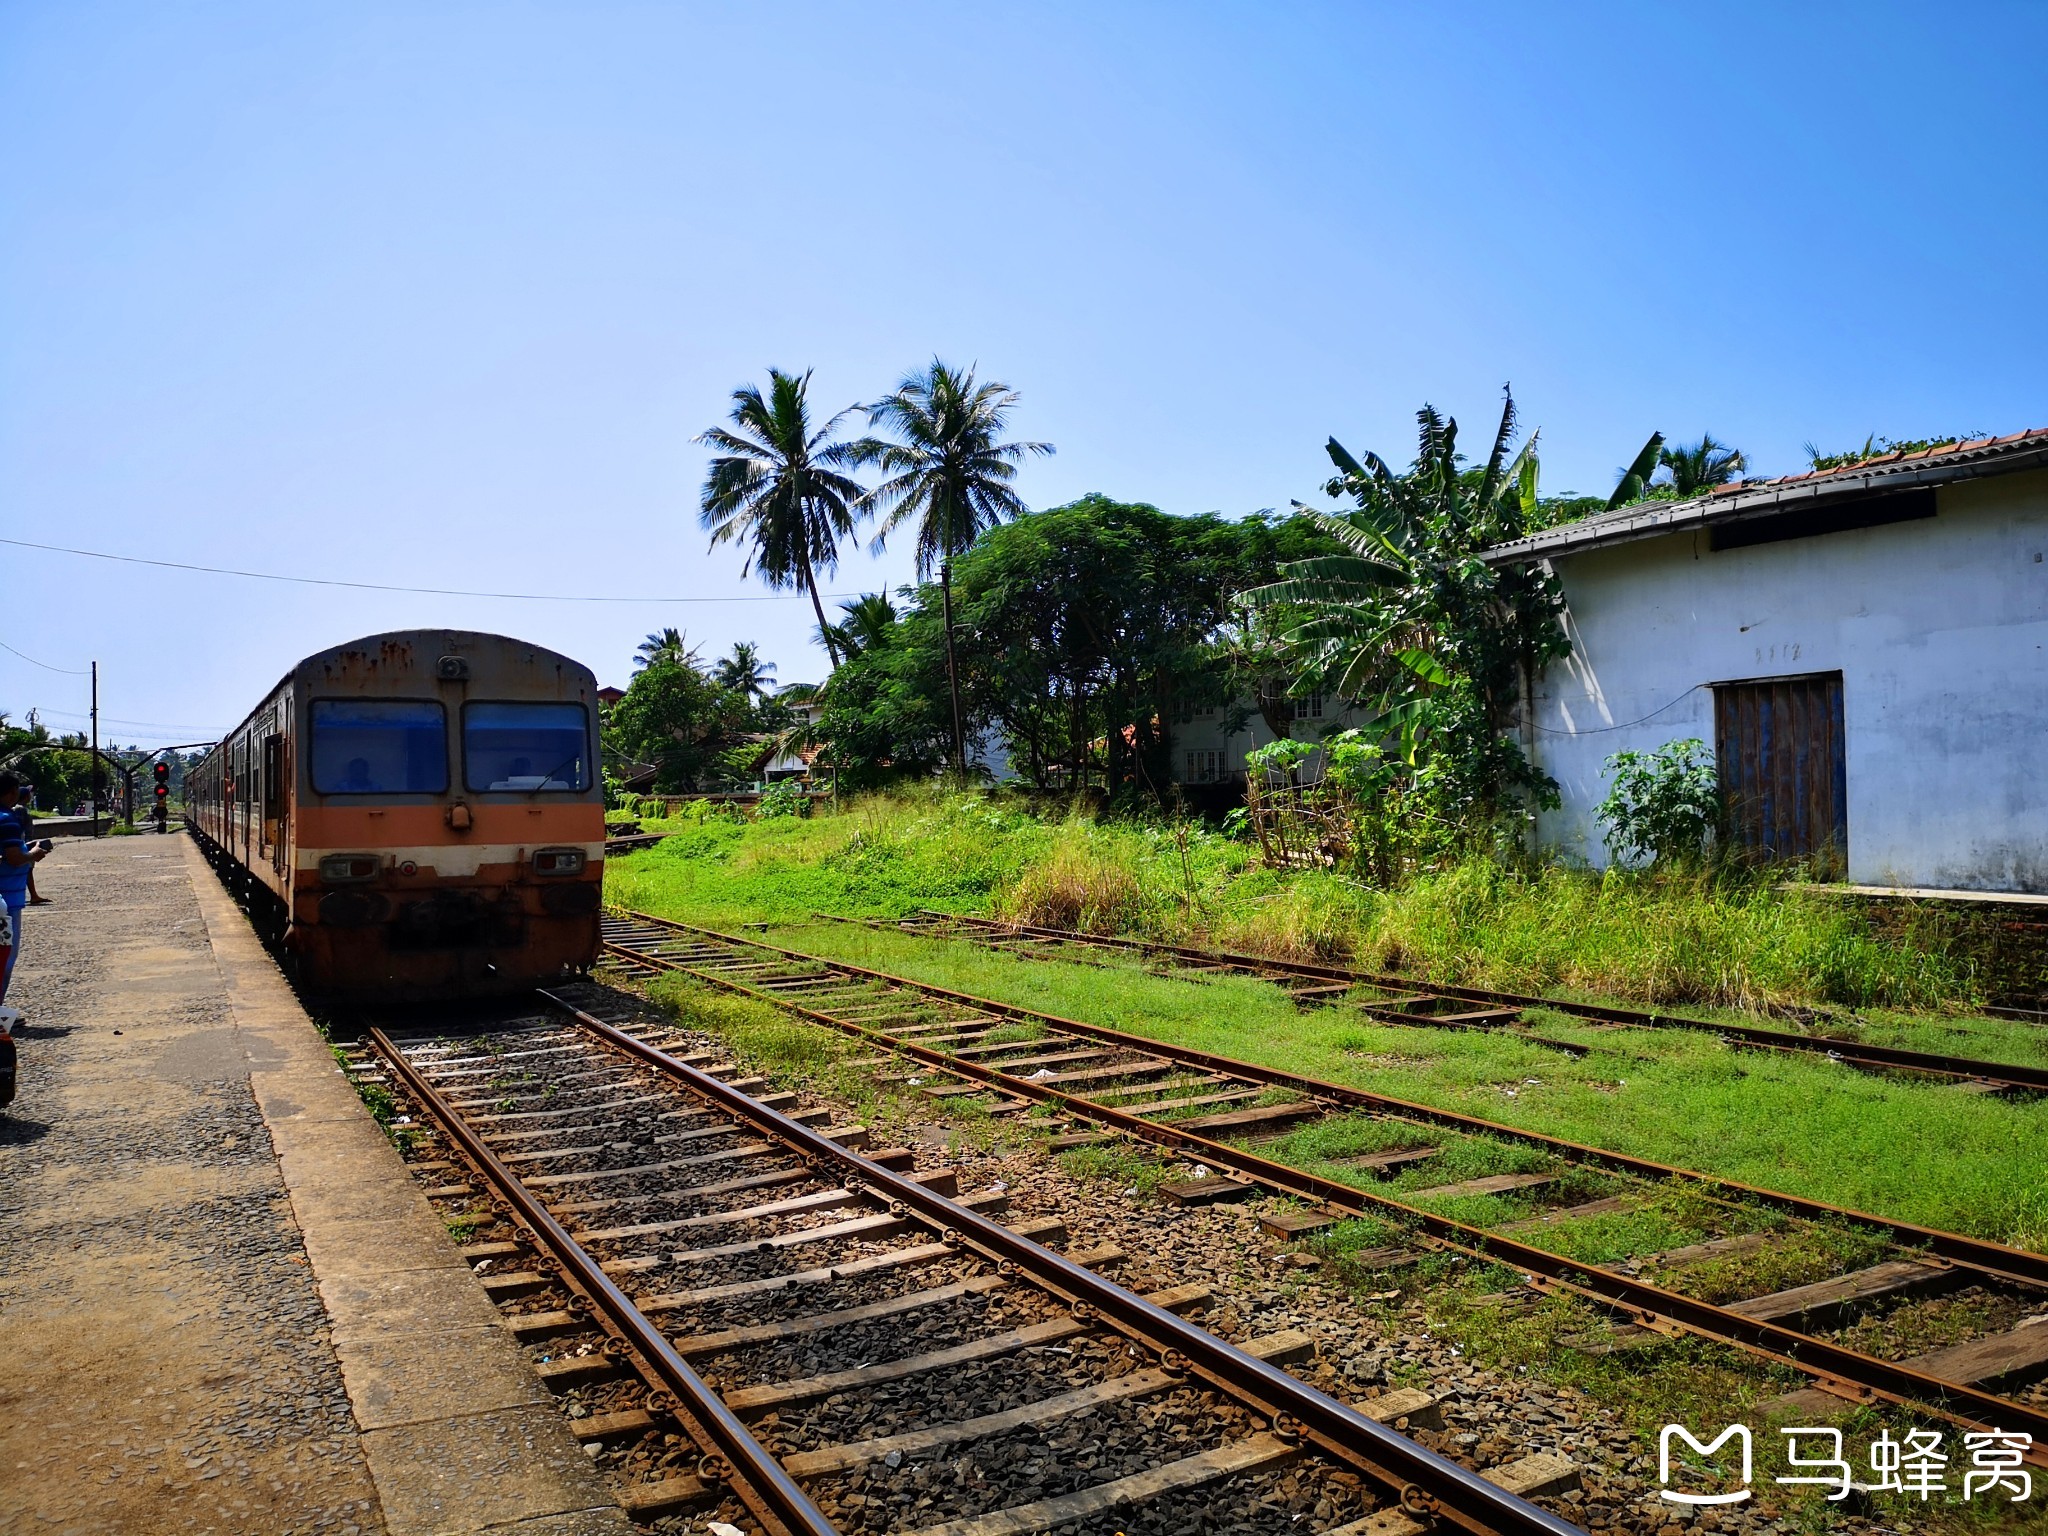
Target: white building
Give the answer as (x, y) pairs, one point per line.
(1865, 650)
(794, 765)
(1206, 752)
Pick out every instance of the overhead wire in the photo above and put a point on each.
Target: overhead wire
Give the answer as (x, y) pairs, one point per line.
(378, 586)
(24, 655)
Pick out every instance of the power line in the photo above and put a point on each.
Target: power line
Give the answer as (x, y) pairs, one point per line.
(67, 671)
(160, 725)
(375, 586)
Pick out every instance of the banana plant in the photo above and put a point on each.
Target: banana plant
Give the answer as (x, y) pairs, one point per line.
(1406, 607)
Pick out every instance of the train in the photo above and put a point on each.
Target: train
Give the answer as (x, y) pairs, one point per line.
(415, 816)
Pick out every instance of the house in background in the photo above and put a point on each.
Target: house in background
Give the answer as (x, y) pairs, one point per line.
(1209, 758)
(1865, 649)
(797, 764)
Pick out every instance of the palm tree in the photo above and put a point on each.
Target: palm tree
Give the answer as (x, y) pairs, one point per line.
(776, 484)
(666, 648)
(868, 621)
(745, 671)
(1698, 469)
(950, 473)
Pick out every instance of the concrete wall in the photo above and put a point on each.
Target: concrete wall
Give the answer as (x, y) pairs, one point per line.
(1939, 628)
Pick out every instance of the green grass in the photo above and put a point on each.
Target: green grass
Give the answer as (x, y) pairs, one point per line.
(1116, 1164)
(809, 1057)
(1694, 941)
(1883, 1144)
(1918, 1152)
(1746, 952)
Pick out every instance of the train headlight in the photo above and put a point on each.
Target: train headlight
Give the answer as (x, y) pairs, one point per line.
(558, 861)
(348, 868)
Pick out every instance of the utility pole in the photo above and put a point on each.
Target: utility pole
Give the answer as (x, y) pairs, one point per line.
(93, 779)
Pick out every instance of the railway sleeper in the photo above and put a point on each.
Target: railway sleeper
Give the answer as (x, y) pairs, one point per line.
(1252, 1453)
(1825, 1300)
(1285, 1348)
(1805, 1307)
(870, 1228)
(772, 1397)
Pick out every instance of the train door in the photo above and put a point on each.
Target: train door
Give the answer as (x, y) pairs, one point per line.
(245, 786)
(276, 800)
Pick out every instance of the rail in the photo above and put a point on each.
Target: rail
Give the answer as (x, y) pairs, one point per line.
(2005, 1075)
(1842, 1371)
(1430, 1489)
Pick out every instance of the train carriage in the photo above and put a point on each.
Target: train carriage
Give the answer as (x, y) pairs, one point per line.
(416, 815)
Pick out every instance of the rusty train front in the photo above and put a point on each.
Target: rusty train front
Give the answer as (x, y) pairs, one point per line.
(416, 815)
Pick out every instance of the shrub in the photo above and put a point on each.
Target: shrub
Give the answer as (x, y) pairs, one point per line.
(785, 797)
(1078, 885)
(1663, 805)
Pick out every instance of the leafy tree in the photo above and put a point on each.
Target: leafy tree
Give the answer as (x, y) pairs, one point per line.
(665, 647)
(949, 473)
(1091, 627)
(744, 671)
(1697, 468)
(1405, 617)
(674, 716)
(1260, 665)
(778, 485)
(883, 714)
(57, 767)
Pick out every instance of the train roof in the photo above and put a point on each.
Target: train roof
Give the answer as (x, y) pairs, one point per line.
(434, 643)
(430, 643)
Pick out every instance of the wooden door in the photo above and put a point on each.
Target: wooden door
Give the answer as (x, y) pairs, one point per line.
(1784, 769)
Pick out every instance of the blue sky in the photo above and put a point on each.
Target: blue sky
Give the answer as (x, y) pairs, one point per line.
(437, 295)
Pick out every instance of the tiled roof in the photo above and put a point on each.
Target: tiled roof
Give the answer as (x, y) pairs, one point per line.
(1941, 464)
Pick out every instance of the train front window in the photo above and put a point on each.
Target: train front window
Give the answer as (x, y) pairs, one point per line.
(379, 747)
(526, 747)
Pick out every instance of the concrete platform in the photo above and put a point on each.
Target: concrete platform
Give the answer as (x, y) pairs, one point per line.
(224, 1304)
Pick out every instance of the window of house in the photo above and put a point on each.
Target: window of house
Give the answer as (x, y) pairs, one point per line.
(1309, 707)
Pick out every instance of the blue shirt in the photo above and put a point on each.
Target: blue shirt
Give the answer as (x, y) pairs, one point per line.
(13, 877)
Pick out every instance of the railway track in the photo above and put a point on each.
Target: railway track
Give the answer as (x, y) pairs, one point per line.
(810, 1324)
(1401, 1000)
(1225, 1114)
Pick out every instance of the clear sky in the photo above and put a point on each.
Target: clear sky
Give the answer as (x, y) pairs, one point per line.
(437, 294)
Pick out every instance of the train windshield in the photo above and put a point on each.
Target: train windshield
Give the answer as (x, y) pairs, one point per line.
(379, 747)
(526, 746)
